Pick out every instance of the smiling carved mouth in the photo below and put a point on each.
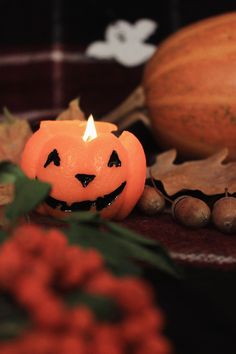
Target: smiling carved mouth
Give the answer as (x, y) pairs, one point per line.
(100, 203)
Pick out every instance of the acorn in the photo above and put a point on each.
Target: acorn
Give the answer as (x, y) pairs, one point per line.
(152, 201)
(191, 212)
(224, 214)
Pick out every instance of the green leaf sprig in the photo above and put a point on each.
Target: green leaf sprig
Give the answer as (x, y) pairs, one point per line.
(125, 251)
(29, 193)
(103, 307)
(13, 320)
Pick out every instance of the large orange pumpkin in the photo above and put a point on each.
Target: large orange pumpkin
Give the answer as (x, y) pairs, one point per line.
(106, 174)
(190, 87)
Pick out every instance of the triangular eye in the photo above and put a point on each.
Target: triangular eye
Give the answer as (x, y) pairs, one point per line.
(114, 160)
(53, 157)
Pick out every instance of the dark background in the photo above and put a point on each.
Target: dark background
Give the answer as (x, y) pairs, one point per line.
(201, 309)
(30, 23)
(40, 26)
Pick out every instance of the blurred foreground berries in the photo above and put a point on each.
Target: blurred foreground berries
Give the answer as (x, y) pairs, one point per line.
(38, 270)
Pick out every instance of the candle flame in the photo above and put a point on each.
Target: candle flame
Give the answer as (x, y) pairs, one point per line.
(90, 131)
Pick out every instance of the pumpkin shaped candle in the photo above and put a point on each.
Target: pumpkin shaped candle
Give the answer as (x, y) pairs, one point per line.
(89, 168)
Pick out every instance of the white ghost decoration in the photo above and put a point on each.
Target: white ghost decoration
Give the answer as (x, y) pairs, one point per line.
(124, 42)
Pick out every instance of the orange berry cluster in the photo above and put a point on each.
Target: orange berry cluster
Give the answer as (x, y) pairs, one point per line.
(37, 267)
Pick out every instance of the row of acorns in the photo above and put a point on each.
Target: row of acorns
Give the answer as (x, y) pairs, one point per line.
(190, 211)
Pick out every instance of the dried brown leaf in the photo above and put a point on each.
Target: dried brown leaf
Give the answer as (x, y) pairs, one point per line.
(73, 112)
(14, 133)
(210, 176)
(6, 193)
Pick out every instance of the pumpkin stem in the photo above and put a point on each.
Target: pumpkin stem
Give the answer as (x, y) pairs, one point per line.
(134, 101)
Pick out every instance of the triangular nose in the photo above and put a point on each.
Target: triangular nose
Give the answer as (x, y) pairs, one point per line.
(84, 179)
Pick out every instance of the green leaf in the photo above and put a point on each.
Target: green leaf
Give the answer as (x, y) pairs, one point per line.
(3, 236)
(103, 307)
(120, 252)
(29, 194)
(9, 172)
(13, 320)
(115, 255)
(143, 249)
(84, 217)
(156, 257)
(12, 328)
(129, 234)
(91, 237)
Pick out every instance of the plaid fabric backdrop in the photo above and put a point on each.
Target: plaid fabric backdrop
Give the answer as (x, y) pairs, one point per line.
(43, 64)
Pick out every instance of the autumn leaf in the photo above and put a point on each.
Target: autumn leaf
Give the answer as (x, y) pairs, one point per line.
(210, 176)
(6, 193)
(73, 112)
(14, 133)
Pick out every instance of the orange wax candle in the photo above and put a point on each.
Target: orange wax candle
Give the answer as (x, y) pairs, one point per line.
(88, 167)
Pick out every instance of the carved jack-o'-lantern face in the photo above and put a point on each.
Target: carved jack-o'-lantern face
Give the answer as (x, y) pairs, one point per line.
(97, 174)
